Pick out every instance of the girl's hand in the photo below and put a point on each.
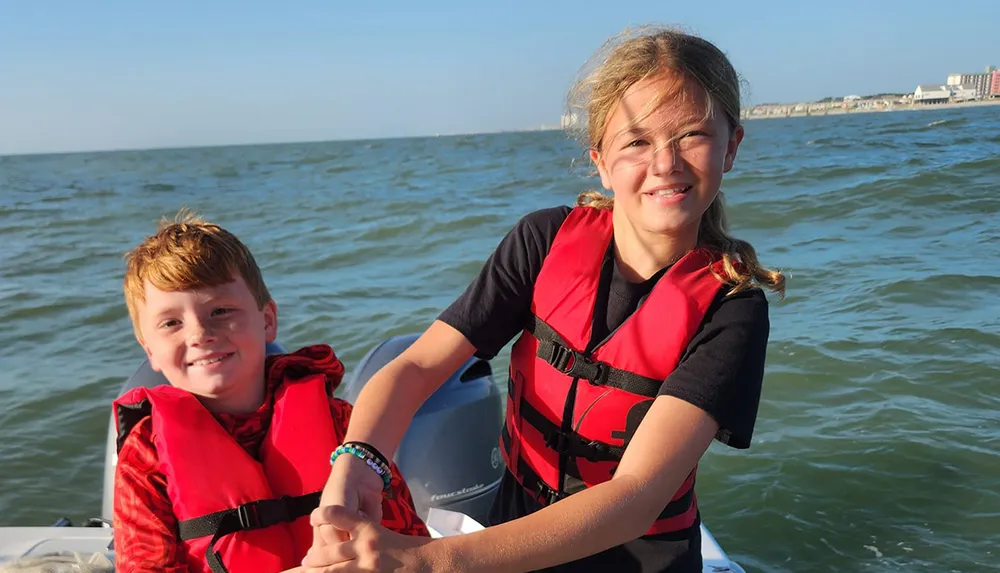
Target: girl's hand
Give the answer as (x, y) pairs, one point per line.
(354, 487)
(370, 548)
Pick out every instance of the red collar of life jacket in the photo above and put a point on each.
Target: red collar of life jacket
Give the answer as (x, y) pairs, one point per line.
(574, 404)
(237, 513)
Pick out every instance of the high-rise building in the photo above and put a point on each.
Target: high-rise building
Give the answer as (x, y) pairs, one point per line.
(981, 82)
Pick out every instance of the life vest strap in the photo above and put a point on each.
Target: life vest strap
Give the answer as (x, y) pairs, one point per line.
(248, 516)
(569, 442)
(554, 350)
(546, 495)
(536, 486)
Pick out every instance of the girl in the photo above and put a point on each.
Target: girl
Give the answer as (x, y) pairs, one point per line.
(642, 337)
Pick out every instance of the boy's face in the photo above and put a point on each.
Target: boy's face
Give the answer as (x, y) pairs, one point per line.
(210, 342)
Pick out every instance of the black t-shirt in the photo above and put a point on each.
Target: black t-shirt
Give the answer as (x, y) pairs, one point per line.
(721, 370)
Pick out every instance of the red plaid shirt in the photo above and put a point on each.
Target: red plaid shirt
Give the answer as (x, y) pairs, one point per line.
(145, 528)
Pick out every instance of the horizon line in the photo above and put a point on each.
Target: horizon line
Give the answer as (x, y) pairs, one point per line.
(275, 142)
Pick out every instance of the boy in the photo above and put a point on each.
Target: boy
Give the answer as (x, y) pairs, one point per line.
(234, 426)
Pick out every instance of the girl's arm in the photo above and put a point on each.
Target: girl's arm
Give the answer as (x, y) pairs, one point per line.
(666, 447)
(385, 408)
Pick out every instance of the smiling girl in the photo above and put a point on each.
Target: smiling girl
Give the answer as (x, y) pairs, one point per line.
(642, 332)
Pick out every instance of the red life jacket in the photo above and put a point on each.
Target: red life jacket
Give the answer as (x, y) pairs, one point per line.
(571, 410)
(236, 513)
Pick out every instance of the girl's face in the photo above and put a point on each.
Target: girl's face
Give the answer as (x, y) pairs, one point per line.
(665, 167)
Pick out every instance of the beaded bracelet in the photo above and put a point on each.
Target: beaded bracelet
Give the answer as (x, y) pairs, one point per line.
(372, 457)
(371, 450)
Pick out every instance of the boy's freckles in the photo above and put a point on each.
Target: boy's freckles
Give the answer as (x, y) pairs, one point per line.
(210, 342)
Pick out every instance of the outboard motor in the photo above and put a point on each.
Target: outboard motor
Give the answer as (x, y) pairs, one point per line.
(450, 455)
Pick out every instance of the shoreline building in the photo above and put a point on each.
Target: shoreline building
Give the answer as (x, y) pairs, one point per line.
(931, 93)
(982, 83)
(965, 92)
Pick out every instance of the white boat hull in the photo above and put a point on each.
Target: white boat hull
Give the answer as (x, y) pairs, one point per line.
(32, 542)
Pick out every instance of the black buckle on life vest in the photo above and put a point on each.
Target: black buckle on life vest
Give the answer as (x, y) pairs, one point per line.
(551, 495)
(545, 494)
(575, 446)
(264, 513)
(577, 365)
(558, 441)
(591, 451)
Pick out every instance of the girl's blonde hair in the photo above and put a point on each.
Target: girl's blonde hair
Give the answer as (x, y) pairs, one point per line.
(634, 56)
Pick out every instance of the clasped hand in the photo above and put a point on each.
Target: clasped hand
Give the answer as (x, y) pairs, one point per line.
(346, 540)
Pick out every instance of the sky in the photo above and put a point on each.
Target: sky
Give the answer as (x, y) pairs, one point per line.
(81, 76)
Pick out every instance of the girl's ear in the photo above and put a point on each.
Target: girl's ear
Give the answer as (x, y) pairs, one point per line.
(602, 169)
(731, 147)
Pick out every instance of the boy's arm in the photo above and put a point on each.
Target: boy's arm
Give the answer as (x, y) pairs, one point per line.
(144, 521)
(398, 512)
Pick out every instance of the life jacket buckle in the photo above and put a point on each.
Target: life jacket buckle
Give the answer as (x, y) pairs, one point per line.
(562, 358)
(552, 496)
(563, 443)
(557, 440)
(585, 368)
(592, 451)
(546, 494)
(247, 514)
(598, 373)
(577, 365)
(264, 513)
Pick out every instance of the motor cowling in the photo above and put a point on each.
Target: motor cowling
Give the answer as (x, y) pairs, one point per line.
(450, 455)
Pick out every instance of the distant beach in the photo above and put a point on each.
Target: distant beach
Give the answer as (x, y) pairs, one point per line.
(804, 109)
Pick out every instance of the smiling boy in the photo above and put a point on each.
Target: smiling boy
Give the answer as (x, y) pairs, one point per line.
(219, 470)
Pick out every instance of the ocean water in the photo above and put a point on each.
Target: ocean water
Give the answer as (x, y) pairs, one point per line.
(877, 446)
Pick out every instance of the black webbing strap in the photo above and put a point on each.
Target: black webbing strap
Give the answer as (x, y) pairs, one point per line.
(570, 442)
(527, 477)
(253, 515)
(536, 486)
(546, 495)
(553, 349)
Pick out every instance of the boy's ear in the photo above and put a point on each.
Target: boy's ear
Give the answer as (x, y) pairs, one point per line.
(270, 321)
(149, 356)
